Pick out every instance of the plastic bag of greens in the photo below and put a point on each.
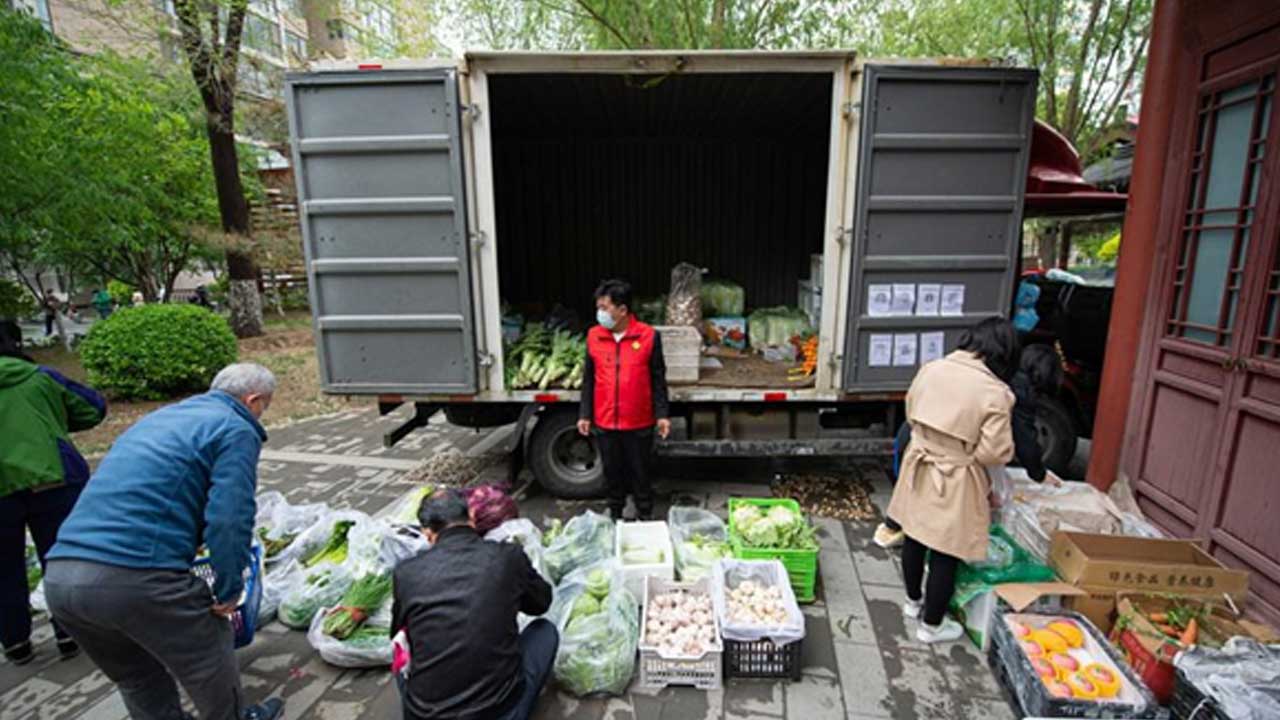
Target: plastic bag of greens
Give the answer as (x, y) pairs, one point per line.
(405, 509)
(326, 540)
(317, 588)
(1009, 563)
(584, 540)
(275, 583)
(684, 303)
(278, 525)
(786, 324)
(523, 532)
(754, 601)
(368, 647)
(599, 624)
(699, 539)
(758, 324)
(721, 298)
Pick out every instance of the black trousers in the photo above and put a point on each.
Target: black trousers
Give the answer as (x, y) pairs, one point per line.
(42, 512)
(942, 578)
(626, 455)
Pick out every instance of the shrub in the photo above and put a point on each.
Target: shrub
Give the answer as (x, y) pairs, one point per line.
(154, 352)
(15, 302)
(121, 292)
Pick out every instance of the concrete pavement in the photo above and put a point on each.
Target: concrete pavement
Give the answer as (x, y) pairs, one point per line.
(859, 659)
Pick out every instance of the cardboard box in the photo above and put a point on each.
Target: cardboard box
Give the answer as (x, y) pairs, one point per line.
(1097, 604)
(979, 614)
(1116, 562)
(1151, 652)
(730, 332)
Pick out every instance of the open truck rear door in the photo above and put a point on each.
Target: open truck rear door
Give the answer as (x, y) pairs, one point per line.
(941, 172)
(378, 157)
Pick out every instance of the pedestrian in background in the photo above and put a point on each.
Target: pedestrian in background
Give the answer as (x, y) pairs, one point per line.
(119, 578)
(102, 303)
(624, 396)
(50, 307)
(960, 410)
(41, 476)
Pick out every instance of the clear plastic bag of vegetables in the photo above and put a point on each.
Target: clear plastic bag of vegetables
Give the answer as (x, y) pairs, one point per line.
(278, 524)
(585, 540)
(599, 624)
(754, 601)
(684, 303)
(699, 539)
(405, 509)
(368, 646)
(318, 587)
(326, 540)
(523, 532)
(722, 298)
(276, 581)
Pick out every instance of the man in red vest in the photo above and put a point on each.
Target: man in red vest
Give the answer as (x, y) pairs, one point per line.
(624, 395)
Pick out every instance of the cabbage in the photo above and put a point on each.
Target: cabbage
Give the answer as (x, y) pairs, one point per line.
(597, 652)
(721, 298)
(586, 604)
(780, 527)
(774, 327)
(585, 540)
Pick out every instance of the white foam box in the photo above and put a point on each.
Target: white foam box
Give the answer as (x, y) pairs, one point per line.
(655, 535)
(979, 614)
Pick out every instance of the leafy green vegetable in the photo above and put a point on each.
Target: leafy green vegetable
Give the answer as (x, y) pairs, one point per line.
(335, 550)
(369, 637)
(553, 532)
(275, 546)
(585, 540)
(598, 652)
(779, 528)
(721, 298)
(323, 587)
(363, 597)
(408, 512)
(586, 604)
(598, 583)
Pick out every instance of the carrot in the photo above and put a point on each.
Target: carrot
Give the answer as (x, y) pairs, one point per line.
(1189, 635)
(1169, 630)
(1162, 617)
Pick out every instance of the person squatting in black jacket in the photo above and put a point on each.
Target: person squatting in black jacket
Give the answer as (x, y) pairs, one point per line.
(1039, 371)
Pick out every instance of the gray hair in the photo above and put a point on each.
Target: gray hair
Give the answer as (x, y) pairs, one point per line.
(244, 379)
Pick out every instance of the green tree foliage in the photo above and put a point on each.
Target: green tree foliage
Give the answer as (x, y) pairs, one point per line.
(104, 165)
(15, 301)
(155, 352)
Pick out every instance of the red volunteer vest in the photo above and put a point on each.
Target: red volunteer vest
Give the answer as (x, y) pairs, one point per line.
(624, 390)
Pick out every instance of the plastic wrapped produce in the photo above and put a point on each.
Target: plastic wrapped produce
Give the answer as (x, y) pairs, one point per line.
(523, 532)
(754, 601)
(599, 624)
(699, 539)
(684, 303)
(279, 524)
(722, 298)
(368, 647)
(320, 587)
(585, 540)
(276, 582)
(405, 509)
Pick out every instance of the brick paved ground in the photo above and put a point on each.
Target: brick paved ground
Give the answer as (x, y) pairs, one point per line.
(859, 661)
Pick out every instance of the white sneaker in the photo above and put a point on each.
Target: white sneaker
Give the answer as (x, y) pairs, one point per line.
(948, 631)
(911, 609)
(888, 539)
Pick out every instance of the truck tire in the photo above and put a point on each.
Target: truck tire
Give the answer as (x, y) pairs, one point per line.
(567, 464)
(1058, 434)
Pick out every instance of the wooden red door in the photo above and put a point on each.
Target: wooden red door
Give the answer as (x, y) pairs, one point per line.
(1210, 433)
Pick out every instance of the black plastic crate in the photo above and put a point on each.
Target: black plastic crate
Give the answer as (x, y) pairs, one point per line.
(762, 659)
(1189, 703)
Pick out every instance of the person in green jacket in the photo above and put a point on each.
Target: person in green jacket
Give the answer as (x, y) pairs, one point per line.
(41, 475)
(103, 303)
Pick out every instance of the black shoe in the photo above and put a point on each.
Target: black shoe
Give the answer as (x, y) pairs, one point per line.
(268, 710)
(20, 654)
(68, 648)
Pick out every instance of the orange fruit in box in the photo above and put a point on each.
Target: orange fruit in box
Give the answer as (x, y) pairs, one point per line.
(1058, 688)
(1044, 669)
(1081, 686)
(1069, 631)
(1032, 649)
(1107, 680)
(1050, 641)
(1064, 664)
(1020, 631)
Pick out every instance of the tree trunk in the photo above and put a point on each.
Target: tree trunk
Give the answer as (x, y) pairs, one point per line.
(246, 305)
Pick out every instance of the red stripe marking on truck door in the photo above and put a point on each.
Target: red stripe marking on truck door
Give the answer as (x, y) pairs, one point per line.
(775, 397)
(546, 398)
(369, 66)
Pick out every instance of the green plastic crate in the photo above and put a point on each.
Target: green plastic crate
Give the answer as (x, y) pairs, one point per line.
(801, 565)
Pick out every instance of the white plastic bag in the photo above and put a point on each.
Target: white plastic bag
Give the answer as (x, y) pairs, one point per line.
(698, 539)
(524, 532)
(315, 538)
(275, 583)
(369, 647)
(319, 587)
(404, 511)
(585, 540)
(278, 525)
(728, 574)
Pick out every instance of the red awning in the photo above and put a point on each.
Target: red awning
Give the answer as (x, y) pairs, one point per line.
(1055, 184)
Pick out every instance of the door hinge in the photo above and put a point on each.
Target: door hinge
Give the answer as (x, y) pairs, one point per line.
(844, 235)
(849, 109)
(471, 112)
(484, 358)
(478, 238)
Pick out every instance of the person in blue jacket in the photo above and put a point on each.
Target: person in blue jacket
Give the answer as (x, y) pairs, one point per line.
(119, 577)
(41, 475)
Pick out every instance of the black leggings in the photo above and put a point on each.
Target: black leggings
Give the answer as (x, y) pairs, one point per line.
(942, 579)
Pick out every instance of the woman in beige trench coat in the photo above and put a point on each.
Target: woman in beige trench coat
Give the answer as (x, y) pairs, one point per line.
(959, 409)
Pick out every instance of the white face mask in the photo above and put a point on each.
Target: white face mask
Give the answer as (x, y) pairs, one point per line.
(605, 319)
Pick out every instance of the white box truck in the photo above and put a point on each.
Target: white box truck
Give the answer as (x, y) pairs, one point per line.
(431, 195)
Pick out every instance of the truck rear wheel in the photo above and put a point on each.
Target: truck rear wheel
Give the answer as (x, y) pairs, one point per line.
(567, 464)
(1057, 435)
